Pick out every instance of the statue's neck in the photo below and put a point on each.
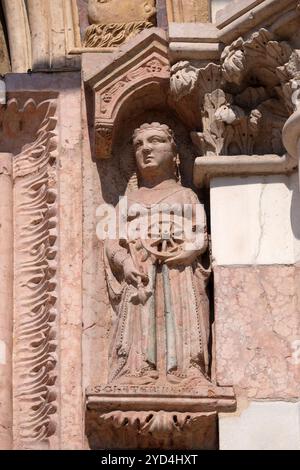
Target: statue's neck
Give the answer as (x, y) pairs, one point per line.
(157, 183)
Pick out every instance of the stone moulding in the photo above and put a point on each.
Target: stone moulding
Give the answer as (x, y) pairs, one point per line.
(206, 168)
(207, 399)
(206, 40)
(162, 417)
(142, 62)
(35, 264)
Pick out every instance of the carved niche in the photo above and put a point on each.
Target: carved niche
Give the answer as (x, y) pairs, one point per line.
(27, 130)
(113, 22)
(162, 405)
(124, 80)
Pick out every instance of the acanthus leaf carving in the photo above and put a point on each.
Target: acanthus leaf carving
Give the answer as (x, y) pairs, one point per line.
(153, 429)
(183, 79)
(226, 127)
(261, 79)
(260, 55)
(289, 76)
(157, 423)
(186, 79)
(233, 66)
(113, 34)
(188, 87)
(36, 411)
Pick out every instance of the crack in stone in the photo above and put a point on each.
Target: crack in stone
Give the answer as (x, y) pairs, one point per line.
(261, 221)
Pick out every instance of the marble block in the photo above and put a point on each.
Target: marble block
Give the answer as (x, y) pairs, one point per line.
(257, 330)
(261, 426)
(255, 220)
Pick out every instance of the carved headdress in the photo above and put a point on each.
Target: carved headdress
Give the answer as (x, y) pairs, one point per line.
(133, 182)
(156, 125)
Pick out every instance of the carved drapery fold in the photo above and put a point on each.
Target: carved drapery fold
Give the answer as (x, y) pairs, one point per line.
(35, 356)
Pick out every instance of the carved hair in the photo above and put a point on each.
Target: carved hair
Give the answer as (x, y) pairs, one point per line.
(161, 127)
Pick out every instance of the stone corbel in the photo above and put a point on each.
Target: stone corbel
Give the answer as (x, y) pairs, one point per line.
(141, 63)
(156, 417)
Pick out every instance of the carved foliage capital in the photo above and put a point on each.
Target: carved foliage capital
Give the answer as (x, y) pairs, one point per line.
(244, 102)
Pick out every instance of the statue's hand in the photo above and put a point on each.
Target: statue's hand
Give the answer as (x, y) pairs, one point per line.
(185, 258)
(132, 275)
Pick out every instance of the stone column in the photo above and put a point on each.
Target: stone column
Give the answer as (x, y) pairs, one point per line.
(291, 134)
(6, 300)
(18, 35)
(38, 14)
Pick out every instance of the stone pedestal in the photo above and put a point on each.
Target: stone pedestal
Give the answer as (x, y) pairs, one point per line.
(155, 417)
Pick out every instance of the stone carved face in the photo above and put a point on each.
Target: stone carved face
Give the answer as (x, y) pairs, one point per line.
(154, 152)
(120, 11)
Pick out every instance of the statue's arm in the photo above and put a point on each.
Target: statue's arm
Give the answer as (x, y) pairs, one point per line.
(196, 240)
(116, 255)
(198, 236)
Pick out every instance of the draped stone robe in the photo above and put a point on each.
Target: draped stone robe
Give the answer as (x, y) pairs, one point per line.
(161, 330)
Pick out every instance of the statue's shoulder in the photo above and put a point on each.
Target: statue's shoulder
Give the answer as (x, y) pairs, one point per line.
(134, 195)
(190, 195)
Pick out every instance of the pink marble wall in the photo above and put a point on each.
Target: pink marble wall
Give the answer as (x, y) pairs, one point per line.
(67, 87)
(257, 324)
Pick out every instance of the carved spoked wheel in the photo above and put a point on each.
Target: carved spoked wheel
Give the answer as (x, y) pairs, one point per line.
(164, 247)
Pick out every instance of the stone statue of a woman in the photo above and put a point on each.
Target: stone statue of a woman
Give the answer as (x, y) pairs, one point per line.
(156, 284)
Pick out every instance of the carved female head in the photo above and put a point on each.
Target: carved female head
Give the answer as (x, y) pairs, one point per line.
(155, 150)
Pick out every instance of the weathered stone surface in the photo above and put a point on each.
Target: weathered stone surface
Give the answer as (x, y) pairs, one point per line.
(224, 11)
(257, 330)
(124, 79)
(114, 11)
(4, 56)
(217, 7)
(261, 426)
(152, 430)
(18, 34)
(64, 422)
(188, 11)
(255, 220)
(113, 22)
(6, 300)
(237, 19)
